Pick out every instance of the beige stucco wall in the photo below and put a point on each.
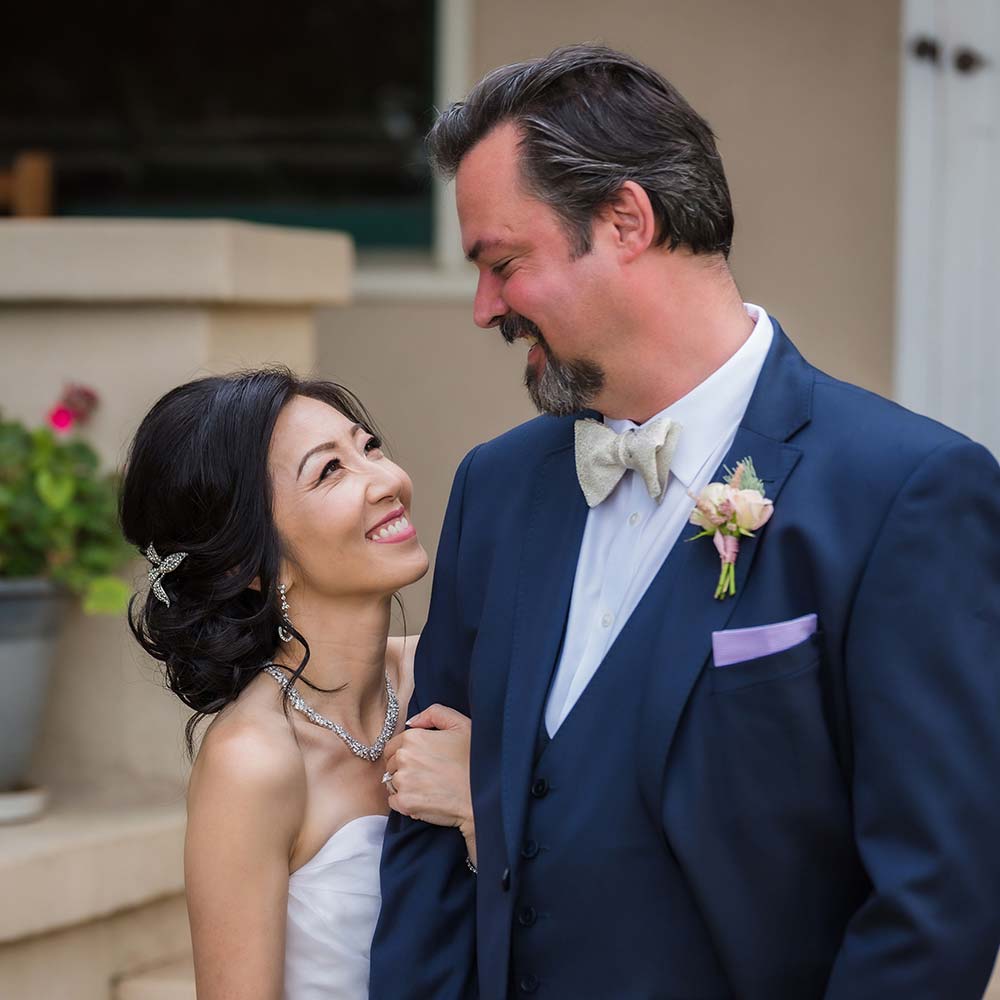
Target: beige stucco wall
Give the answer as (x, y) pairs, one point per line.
(802, 96)
(803, 99)
(436, 385)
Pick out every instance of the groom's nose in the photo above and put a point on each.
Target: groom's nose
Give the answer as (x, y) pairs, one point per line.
(488, 308)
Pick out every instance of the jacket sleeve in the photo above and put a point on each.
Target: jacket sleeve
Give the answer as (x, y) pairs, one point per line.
(424, 944)
(923, 692)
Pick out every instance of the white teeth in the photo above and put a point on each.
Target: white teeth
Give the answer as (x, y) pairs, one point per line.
(531, 340)
(389, 530)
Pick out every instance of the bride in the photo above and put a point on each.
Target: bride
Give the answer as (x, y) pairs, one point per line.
(278, 532)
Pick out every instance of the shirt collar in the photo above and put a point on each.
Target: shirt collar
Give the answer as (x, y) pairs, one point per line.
(713, 409)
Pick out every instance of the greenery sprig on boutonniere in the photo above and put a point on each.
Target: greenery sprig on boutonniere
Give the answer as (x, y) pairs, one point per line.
(729, 511)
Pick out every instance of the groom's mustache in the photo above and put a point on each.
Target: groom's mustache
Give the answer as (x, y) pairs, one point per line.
(513, 326)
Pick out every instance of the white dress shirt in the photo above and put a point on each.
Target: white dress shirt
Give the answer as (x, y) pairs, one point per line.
(628, 537)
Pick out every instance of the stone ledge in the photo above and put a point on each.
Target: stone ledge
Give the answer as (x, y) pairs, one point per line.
(91, 855)
(413, 283)
(172, 260)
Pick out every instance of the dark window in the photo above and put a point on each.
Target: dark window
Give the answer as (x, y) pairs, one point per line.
(303, 112)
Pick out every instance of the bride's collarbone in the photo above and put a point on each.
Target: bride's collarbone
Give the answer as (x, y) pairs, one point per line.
(340, 788)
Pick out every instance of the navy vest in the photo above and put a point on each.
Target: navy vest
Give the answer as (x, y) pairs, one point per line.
(597, 854)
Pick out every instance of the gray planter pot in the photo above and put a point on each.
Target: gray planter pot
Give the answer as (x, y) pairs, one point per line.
(31, 614)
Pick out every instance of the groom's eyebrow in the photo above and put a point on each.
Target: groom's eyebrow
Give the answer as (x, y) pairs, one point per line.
(325, 446)
(480, 245)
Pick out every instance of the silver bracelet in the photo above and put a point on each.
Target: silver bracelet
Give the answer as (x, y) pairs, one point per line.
(472, 868)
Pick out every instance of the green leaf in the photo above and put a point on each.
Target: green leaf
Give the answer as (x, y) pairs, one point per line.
(56, 491)
(44, 446)
(59, 515)
(704, 534)
(749, 480)
(106, 595)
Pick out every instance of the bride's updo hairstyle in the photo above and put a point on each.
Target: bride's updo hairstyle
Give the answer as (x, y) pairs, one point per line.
(197, 481)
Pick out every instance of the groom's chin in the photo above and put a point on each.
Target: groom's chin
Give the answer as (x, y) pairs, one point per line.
(537, 395)
(545, 403)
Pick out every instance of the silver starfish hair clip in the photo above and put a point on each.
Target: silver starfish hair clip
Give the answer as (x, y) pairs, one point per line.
(161, 567)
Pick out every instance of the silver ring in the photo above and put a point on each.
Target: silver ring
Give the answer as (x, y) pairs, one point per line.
(387, 780)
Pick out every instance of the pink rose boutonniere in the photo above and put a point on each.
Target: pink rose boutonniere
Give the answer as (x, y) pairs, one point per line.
(729, 511)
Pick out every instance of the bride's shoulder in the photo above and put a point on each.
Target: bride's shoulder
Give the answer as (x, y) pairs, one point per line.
(245, 804)
(249, 754)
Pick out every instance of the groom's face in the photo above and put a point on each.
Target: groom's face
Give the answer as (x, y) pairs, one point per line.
(530, 285)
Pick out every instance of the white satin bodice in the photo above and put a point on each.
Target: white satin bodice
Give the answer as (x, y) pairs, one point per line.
(333, 904)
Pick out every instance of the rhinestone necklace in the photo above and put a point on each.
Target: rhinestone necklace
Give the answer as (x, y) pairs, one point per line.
(373, 752)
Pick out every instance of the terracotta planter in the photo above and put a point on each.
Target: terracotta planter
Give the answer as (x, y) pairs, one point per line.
(31, 615)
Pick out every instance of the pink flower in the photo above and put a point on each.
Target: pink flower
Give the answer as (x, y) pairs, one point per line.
(707, 513)
(61, 418)
(736, 478)
(728, 511)
(80, 400)
(752, 510)
(75, 406)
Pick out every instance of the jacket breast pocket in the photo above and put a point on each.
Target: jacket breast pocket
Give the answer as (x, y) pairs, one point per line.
(798, 659)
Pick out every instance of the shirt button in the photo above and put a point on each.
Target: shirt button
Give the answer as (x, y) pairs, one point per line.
(528, 984)
(634, 519)
(606, 619)
(530, 849)
(527, 916)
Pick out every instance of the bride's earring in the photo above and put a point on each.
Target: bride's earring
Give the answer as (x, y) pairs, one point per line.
(284, 631)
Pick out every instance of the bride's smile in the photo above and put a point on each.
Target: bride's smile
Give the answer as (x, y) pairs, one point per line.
(342, 507)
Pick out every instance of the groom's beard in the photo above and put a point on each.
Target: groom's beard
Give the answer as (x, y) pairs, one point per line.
(564, 387)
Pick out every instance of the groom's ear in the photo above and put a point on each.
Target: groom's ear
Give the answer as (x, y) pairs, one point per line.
(633, 224)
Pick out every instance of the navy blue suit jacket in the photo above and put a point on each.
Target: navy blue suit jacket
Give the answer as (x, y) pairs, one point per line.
(868, 757)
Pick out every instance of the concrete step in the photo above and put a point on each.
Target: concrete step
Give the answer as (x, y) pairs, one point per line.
(172, 981)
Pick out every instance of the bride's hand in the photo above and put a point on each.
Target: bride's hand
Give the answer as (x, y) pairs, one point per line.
(429, 764)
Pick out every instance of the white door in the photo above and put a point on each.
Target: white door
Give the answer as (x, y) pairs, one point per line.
(948, 293)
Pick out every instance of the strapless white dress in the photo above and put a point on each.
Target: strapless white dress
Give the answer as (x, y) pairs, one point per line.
(333, 905)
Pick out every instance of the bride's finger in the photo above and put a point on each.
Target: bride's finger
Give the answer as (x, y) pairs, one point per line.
(438, 717)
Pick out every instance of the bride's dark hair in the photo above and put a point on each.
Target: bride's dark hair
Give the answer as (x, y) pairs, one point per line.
(196, 481)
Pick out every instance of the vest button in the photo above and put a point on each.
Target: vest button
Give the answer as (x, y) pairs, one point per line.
(505, 880)
(527, 916)
(539, 788)
(530, 849)
(528, 984)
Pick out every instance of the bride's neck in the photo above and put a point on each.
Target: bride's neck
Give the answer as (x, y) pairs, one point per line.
(347, 653)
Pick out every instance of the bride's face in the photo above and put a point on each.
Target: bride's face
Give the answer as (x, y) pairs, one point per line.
(340, 505)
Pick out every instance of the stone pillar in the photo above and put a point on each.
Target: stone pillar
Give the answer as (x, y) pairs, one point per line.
(133, 308)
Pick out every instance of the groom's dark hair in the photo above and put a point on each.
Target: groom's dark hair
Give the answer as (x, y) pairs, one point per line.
(592, 118)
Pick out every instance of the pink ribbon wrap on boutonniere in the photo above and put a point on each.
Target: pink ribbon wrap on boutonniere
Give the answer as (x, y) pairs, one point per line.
(729, 511)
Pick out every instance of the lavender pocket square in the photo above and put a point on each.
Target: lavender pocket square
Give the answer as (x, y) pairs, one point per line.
(738, 644)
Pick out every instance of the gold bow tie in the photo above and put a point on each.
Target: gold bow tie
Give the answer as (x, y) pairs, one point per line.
(603, 456)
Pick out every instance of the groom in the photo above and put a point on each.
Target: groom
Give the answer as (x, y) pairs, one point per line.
(787, 793)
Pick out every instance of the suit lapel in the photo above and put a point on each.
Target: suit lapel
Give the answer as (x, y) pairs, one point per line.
(684, 588)
(553, 534)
